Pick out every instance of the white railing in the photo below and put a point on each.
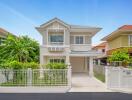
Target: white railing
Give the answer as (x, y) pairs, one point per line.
(56, 48)
(35, 77)
(55, 43)
(118, 77)
(80, 47)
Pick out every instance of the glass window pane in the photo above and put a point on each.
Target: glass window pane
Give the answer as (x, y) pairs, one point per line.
(51, 61)
(81, 39)
(56, 38)
(57, 60)
(130, 40)
(62, 61)
(77, 40)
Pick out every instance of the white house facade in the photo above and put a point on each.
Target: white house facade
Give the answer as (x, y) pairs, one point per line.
(67, 43)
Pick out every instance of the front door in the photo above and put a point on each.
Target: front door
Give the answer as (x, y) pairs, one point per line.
(78, 64)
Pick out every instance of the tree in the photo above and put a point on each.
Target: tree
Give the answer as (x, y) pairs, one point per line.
(120, 55)
(21, 49)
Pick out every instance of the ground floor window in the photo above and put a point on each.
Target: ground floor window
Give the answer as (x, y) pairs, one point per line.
(56, 60)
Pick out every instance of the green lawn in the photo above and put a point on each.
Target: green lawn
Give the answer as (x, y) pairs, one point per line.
(100, 77)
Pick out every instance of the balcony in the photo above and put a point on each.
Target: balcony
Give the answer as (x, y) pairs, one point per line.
(56, 49)
(80, 47)
(55, 43)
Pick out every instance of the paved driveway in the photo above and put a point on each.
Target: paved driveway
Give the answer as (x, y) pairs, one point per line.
(83, 83)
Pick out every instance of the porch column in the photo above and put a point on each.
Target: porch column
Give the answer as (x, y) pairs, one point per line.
(41, 59)
(67, 59)
(90, 66)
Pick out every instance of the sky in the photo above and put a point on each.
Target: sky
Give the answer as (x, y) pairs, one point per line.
(22, 16)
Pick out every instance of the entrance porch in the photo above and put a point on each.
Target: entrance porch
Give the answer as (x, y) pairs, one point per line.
(82, 64)
(82, 61)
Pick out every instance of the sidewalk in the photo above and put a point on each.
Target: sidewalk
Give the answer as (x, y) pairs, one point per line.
(123, 90)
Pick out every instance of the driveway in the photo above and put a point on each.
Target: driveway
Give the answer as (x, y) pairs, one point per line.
(83, 83)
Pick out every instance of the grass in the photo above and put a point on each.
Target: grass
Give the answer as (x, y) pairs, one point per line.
(130, 67)
(100, 77)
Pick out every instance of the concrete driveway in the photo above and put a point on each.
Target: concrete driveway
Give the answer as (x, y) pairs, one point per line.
(84, 83)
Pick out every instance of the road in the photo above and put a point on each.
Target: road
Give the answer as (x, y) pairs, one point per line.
(66, 96)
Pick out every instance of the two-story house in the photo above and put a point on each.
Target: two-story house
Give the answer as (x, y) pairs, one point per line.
(120, 38)
(70, 44)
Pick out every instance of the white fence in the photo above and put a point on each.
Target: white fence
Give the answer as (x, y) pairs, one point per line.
(35, 77)
(100, 69)
(117, 77)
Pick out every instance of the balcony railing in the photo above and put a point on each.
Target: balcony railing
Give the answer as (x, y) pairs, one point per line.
(56, 43)
(56, 48)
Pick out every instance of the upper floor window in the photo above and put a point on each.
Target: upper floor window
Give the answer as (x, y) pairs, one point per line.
(130, 40)
(103, 50)
(56, 38)
(79, 39)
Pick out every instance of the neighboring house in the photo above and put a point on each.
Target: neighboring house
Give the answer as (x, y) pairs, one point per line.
(70, 44)
(102, 59)
(121, 38)
(3, 35)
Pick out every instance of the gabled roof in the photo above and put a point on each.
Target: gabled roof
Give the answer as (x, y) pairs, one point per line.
(65, 24)
(55, 20)
(124, 28)
(73, 28)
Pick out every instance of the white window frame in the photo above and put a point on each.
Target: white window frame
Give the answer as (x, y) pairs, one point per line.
(129, 40)
(55, 35)
(74, 36)
(53, 58)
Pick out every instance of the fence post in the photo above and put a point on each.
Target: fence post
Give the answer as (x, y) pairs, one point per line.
(119, 78)
(106, 76)
(69, 75)
(29, 77)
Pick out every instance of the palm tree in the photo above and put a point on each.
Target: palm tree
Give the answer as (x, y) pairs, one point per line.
(22, 49)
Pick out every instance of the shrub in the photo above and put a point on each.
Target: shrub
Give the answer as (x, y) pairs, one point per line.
(119, 56)
(55, 66)
(32, 65)
(19, 65)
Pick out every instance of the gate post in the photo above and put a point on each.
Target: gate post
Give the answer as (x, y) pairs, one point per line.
(106, 76)
(69, 75)
(29, 77)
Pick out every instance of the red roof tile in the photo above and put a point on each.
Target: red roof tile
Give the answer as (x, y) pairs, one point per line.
(126, 27)
(103, 44)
